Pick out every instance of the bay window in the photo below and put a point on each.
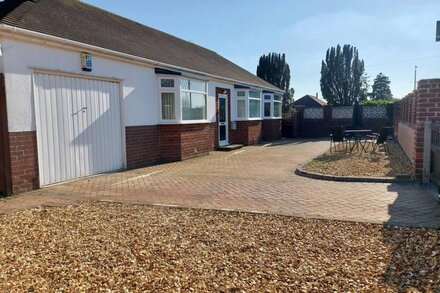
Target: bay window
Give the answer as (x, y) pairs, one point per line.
(182, 99)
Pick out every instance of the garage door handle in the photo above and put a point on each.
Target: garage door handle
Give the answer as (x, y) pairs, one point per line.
(83, 109)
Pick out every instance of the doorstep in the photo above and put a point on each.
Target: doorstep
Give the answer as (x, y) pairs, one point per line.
(230, 147)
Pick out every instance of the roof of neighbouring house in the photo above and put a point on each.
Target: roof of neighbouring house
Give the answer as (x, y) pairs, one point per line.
(81, 22)
(312, 98)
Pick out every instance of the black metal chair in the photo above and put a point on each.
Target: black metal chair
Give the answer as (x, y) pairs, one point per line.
(380, 139)
(337, 137)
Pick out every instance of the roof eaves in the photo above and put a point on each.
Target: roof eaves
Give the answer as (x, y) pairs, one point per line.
(12, 30)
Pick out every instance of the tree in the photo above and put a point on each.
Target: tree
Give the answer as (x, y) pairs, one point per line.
(342, 76)
(274, 69)
(381, 88)
(363, 95)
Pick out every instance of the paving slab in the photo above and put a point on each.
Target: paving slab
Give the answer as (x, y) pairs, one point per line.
(254, 178)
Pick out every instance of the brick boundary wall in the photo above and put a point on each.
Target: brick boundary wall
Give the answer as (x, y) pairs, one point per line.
(142, 145)
(417, 107)
(271, 129)
(24, 161)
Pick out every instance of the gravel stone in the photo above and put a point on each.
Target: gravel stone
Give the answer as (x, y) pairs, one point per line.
(108, 247)
(381, 164)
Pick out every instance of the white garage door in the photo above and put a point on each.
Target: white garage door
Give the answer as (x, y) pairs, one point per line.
(78, 126)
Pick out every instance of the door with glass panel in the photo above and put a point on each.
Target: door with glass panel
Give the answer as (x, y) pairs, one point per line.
(223, 119)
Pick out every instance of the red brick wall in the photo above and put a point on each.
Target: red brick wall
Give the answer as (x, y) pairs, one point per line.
(417, 107)
(24, 161)
(272, 129)
(142, 145)
(427, 109)
(247, 133)
(170, 142)
(197, 139)
(184, 141)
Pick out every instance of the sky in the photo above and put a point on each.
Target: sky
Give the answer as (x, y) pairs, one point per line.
(392, 36)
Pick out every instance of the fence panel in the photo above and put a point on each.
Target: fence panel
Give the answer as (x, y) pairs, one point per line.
(342, 112)
(314, 113)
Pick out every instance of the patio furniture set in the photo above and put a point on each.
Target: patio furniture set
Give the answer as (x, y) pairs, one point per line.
(359, 139)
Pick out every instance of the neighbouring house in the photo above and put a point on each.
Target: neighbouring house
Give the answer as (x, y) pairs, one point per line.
(310, 101)
(84, 91)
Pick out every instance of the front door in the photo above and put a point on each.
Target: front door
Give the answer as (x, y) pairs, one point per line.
(223, 119)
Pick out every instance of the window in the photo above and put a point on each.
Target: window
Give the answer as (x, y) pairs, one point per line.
(241, 109)
(254, 104)
(253, 94)
(277, 108)
(277, 98)
(241, 94)
(167, 82)
(168, 105)
(193, 97)
(267, 110)
(267, 97)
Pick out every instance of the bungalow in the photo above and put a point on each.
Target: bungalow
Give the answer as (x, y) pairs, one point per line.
(84, 91)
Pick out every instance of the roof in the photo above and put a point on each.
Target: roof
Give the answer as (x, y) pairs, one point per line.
(81, 22)
(313, 98)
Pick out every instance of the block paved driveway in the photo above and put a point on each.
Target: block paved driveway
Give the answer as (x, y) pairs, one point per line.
(255, 178)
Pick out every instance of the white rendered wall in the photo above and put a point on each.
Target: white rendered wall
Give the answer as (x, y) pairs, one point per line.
(140, 92)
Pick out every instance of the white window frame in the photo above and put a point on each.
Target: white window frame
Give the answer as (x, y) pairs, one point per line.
(241, 98)
(182, 121)
(273, 102)
(269, 101)
(249, 104)
(175, 91)
(175, 102)
(281, 105)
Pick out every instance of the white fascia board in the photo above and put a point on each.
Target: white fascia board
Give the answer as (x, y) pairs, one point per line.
(49, 40)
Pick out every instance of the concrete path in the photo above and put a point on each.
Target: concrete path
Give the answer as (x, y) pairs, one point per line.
(256, 178)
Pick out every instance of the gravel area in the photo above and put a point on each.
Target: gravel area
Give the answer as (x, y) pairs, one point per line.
(367, 164)
(132, 248)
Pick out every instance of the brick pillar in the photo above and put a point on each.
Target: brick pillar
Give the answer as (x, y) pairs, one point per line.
(24, 161)
(426, 108)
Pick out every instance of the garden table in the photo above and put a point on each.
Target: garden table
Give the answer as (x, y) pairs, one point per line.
(358, 134)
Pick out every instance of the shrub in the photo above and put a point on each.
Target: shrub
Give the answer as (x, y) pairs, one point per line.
(377, 102)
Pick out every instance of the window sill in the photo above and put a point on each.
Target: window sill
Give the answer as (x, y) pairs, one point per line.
(247, 119)
(272, 118)
(204, 121)
(166, 122)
